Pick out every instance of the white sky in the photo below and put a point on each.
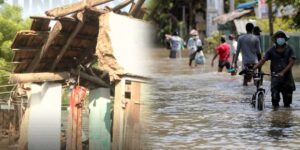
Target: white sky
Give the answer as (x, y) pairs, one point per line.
(38, 7)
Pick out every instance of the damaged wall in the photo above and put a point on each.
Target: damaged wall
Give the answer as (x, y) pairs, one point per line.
(124, 45)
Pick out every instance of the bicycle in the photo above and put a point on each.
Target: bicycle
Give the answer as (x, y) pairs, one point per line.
(258, 98)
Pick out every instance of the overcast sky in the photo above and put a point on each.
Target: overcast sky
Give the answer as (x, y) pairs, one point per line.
(38, 7)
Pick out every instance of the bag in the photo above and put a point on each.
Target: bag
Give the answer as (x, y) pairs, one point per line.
(199, 58)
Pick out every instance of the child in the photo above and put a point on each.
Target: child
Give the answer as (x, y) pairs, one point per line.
(282, 59)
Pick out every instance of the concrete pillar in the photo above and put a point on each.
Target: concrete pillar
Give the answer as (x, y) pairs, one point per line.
(100, 119)
(44, 126)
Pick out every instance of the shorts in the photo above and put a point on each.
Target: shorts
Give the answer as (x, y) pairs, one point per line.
(225, 63)
(173, 54)
(248, 76)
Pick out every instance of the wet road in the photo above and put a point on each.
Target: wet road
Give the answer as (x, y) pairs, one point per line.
(199, 108)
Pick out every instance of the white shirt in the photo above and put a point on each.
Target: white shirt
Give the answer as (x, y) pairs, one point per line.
(176, 43)
(233, 46)
(193, 43)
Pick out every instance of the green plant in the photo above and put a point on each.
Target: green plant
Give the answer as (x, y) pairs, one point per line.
(210, 43)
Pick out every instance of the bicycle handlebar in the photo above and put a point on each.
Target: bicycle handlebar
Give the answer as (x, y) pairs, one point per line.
(251, 72)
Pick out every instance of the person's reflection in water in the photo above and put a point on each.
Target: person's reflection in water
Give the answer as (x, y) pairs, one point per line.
(280, 120)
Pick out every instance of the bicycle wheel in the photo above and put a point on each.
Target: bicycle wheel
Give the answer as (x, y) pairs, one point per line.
(260, 101)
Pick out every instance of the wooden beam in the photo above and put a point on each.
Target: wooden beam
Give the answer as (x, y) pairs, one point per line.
(42, 17)
(51, 47)
(69, 41)
(38, 77)
(136, 9)
(23, 140)
(67, 60)
(122, 5)
(132, 6)
(71, 19)
(90, 78)
(52, 35)
(25, 49)
(45, 34)
(141, 14)
(94, 11)
(19, 62)
(118, 116)
(75, 7)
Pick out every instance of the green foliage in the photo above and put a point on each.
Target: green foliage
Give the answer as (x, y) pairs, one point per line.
(4, 74)
(10, 22)
(159, 14)
(279, 23)
(295, 23)
(6, 52)
(65, 97)
(11, 12)
(212, 42)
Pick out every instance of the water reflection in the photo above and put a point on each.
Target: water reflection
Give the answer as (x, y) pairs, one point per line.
(280, 121)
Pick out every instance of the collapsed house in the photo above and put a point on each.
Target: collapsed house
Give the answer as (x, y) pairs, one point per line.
(66, 55)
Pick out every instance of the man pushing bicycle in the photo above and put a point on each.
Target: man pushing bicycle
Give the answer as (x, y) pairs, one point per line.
(282, 59)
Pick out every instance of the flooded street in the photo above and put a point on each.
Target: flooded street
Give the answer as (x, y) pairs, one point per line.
(198, 108)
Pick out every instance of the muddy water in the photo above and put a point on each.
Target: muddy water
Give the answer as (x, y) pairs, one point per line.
(198, 108)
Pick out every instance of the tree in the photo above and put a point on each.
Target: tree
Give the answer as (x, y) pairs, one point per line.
(168, 15)
(11, 21)
(158, 13)
(296, 5)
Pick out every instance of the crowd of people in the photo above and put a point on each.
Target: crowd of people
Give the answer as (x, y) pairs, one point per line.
(248, 50)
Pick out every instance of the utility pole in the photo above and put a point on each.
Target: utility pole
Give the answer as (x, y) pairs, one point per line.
(270, 18)
(231, 5)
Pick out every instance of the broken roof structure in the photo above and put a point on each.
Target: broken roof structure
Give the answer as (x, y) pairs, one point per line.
(81, 36)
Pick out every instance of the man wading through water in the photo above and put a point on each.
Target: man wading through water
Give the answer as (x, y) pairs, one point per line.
(249, 45)
(282, 59)
(223, 50)
(176, 43)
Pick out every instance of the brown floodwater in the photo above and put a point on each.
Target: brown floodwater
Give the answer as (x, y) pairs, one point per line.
(198, 108)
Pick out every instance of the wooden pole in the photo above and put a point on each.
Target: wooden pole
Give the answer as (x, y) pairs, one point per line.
(53, 34)
(75, 7)
(132, 119)
(122, 5)
(231, 5)
(74, 133)
(270, 18)
(24, 130)
(38, 77)
(132, 6)
(90, 78)
(79, 26)
(100, 119)
(136, 9)
(118, 114)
